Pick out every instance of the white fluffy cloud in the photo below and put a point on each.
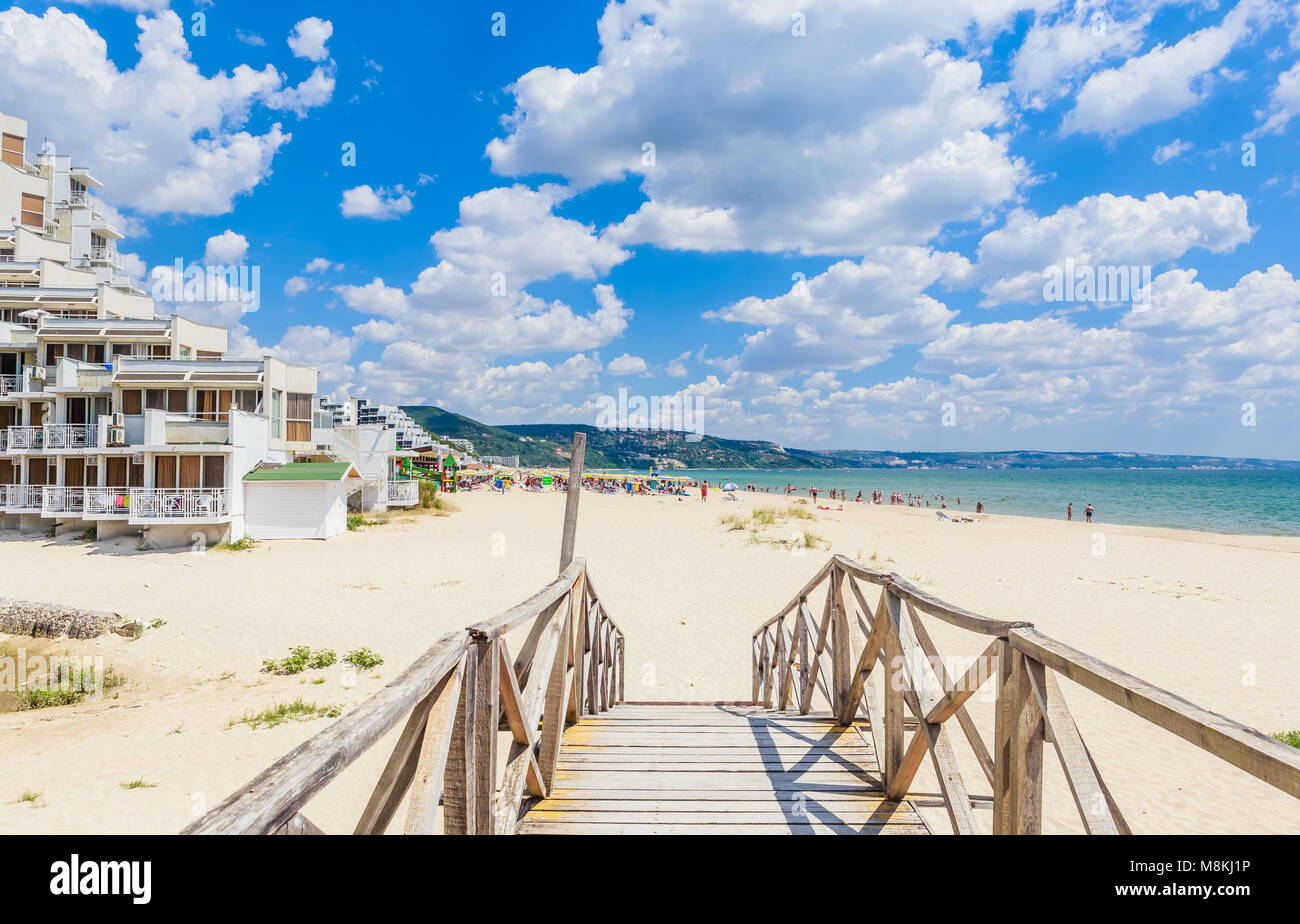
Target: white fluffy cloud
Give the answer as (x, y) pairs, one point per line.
(225, 248)
(296, 285)
(381, 204)
(1166, 81)
(849, 317)
(514, 228)
(308, 38)
(1283, 100)
(767, 141)
(1106, 229)
(627, 364)
(163, 137)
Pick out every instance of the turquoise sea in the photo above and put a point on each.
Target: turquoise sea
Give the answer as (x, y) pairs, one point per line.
(1254, 502)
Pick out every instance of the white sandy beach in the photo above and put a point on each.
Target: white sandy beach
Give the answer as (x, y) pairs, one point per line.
(1209, 617)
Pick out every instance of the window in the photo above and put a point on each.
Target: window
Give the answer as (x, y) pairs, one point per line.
(160, 351)
(11, 150)
(299, 418)
(33, 213)
(248, 399)
(212, 404)
(172, 400)
(53, 353)
(131, 401)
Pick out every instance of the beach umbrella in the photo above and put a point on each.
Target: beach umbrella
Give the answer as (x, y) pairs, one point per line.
(731, 486)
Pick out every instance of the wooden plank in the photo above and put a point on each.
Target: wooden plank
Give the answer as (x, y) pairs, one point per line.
(708, 779)
(792, 814)
(557, 698)
(486, 719)
(891, 758)
(867, 804)
(968, 727)
(871, 651)
(1090, 795)
(435, 745)
(521, 766)
(715, 828)
(459, 799)
(723, 796)
(577, 454)
(1259, 755)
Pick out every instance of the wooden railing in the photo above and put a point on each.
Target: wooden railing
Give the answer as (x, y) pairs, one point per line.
(835, 655)
(455, 697)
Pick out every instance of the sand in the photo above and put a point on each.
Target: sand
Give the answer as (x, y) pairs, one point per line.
(1209, 617)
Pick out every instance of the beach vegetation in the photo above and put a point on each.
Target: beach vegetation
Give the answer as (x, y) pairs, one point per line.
(30, 795)
(363, 659)
(243, 544)
(812, 541)
(733, 521)
(89, 534)
(157, 623)
(300, 659)
(75, 684)
(1292, 738)
(139, 783)
(356, 521)
(280, 713)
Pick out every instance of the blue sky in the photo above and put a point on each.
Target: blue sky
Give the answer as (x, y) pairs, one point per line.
(506, 247)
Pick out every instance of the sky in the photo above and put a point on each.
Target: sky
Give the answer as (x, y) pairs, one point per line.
(933, 225)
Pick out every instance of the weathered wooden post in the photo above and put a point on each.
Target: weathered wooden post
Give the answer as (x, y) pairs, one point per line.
(571, 501)
(895, 682)
(1028, 731)
(1002, 720)
(841, 647)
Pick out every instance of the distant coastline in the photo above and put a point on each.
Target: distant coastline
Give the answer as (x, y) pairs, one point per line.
(548, 444)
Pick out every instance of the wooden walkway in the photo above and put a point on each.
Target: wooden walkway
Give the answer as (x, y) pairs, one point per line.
(690, 769)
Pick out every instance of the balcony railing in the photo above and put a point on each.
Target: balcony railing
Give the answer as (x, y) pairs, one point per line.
(108, 501)
(70, 436)
(21, 438)
(180, 503)
(22, 497)
(403, 493)
(10, 383)
(62, 499)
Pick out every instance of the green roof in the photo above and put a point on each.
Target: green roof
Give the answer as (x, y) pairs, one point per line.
(302, 471)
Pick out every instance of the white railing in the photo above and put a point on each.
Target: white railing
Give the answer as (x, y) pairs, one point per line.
(403, 493)
(62, 499)
(70, 436)
(23, 496)
(107, 501)
(10, 383)
(180, 503)
(21, 438)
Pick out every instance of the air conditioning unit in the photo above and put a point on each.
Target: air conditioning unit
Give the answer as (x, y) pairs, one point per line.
(137, 458)
(119, 420)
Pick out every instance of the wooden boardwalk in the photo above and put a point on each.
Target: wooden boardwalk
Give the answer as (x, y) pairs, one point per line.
(691, 769)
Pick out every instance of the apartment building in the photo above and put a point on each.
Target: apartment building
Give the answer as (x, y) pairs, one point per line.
(111, 416)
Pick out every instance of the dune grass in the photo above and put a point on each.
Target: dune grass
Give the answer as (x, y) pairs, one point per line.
(1291, 737)
(280, 713)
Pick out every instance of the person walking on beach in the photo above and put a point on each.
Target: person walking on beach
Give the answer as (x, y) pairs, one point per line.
(704, 490)
(1069, 511)
(1087, 513)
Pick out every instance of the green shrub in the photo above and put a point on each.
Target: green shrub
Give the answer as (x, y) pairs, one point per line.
(300, 658)
(1292, 738)
(279, 713)
(363, 659)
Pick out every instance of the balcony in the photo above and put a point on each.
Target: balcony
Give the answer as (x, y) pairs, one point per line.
(24, 498)
(403, 493)
(23, 439)
(70, 436)
(10, 383)
(107, 503)
(59, 499)
(162, 505)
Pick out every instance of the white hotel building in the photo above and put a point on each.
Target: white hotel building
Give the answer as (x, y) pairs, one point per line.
(116, 418)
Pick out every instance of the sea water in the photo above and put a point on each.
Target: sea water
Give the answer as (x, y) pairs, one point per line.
(1250, 502)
